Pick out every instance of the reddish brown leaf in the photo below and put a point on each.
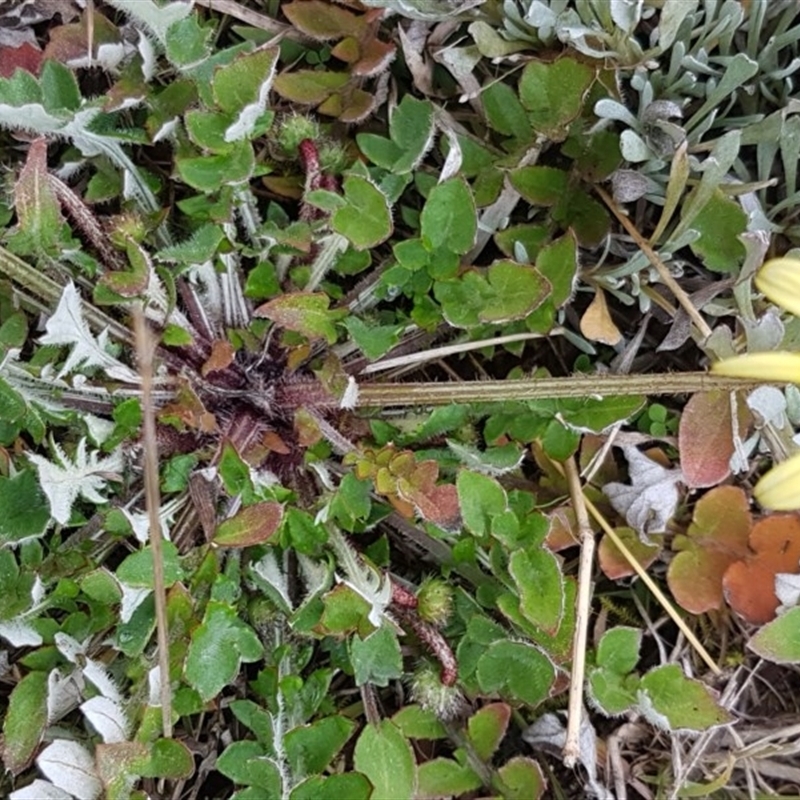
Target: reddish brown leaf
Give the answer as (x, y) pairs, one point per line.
(222, 354)
(615, 565)
(71, 42)
(375, 58)
(563, 529)
(749, 585)
(272, 441)
(26, 57)
(440, 506)
(187, 411)
(705, 438)
(252, 525)
(716, 539)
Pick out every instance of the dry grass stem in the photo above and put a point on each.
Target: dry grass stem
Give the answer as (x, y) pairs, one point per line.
(144, 352)
(653, 587)
(582, 612)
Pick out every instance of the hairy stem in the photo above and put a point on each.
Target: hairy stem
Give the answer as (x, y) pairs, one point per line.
(441, 394)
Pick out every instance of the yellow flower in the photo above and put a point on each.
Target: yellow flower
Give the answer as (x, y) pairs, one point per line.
(779, 280)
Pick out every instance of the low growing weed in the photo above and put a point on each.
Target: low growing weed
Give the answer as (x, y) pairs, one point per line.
(405, 275)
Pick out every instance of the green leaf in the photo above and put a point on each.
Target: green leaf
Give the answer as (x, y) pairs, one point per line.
(504, 112)
(444, 777)
(100, 585)
(302, 312)
(199, 248)
(384, 755)
(311, 748)
(38, 210)
(365, 219)
(374, 340)
(720, 223)
(448, 219)
(324, 199)
(137, 569)
(540, 186)
(558, 262)
(487, 727)
(416, 722)
(175, 336)
(186, 43)
(245, 80)
(262, 281)
(618, 650)
(132, 636)
(20, 89)
(250, 526)
(578, 210)
(169, 759)
(537, 575)
(352, 502)
(246, 763)
(13, 333)
(677, 702)
(481, 499)
(522, 779)
(376, 659)
(529, 237)
(779, 641)
(411, 128)
(207, 173)
(613, 694)
(234, 472)
(514, 291)
(255, 718)
(25, 721)
(59, 88)
(379, 150)
(302, 533)
(559, 442)
(175, 474)
(516, 671)
(207, 129)
(345, 611)
(506, 291)
(351, 785)
(25, 510)
(217, 649)
(309, 86)
(554, 94)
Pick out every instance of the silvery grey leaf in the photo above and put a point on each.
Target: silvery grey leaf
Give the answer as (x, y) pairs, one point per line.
(628, 185)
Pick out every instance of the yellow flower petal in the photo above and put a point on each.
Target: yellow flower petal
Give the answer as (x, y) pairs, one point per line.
(776, 367)
(779, 279)
(779, 489)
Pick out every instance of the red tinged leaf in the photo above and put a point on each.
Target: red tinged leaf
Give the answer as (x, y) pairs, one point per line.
(440, 506)
(716, 539)
(253, 525)
(26, 57)
(705, 438)
(749, 585)
(222, 355)
(614, 565)
(323, 21)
